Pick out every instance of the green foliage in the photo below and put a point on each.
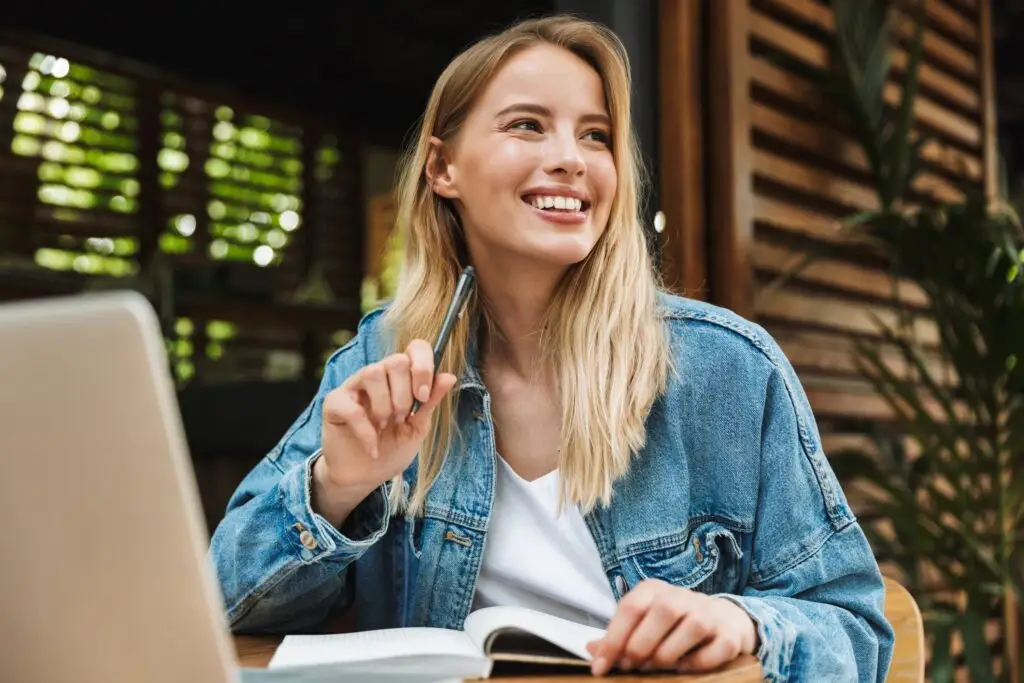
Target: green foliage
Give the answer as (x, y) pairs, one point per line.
(180, 345)
(948, 476)
(81, 124)
(861, 57)
(253, 170)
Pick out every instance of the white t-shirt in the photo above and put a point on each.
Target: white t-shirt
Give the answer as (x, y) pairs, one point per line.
(536, 558)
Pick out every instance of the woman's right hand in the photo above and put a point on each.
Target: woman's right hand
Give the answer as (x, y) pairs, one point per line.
(368, 436)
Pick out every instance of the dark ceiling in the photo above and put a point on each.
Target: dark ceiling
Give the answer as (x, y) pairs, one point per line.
(367, 65)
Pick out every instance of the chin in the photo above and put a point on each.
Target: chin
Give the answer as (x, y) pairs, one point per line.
(563, 254)
(555, 251)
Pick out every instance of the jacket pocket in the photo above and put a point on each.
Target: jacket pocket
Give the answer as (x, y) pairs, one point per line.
(706, 560)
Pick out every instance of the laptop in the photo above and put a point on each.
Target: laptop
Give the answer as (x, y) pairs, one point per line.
(104, 576)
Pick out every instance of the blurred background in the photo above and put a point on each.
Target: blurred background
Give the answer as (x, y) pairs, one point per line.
(235, 164)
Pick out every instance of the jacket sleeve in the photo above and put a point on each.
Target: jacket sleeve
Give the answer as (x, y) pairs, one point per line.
(814, 590)
(281, 566)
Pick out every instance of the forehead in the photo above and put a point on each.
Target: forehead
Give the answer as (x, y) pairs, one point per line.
(547, 75)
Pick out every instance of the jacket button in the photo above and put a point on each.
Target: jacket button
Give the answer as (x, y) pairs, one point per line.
(620, 585)
(307, 540)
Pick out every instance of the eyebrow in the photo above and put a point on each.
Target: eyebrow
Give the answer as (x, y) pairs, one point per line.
(541, 110)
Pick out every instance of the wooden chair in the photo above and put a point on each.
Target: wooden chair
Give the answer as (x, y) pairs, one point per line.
(908, 656)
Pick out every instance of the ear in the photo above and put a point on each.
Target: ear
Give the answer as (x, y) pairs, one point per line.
(439, 170)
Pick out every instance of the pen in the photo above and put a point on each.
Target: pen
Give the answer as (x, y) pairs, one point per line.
(456, 308)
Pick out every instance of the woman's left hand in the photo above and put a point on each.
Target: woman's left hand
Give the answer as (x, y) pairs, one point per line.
(661, 626)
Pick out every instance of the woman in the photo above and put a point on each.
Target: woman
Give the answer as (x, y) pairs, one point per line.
(632, 459)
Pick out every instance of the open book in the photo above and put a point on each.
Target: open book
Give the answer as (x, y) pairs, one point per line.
(492, 634)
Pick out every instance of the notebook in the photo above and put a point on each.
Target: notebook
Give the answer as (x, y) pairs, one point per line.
(492, 634)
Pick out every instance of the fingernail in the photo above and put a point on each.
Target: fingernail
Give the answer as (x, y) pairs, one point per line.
(400, 418)
(424, 393)
(600, 667)
(626, 665)
(373, 453)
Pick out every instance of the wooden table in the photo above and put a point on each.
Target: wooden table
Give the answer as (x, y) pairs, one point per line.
(256, 651)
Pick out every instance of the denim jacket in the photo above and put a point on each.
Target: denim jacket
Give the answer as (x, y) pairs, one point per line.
(731, 496)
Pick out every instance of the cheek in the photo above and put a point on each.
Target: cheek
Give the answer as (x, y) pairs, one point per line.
(605, 178)
(506, 165)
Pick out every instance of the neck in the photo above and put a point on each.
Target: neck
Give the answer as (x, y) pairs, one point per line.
(517, 302)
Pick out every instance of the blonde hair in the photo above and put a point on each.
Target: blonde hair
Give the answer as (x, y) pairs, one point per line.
(603, 337)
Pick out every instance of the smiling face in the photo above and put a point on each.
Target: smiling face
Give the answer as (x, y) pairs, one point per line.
(531, 172)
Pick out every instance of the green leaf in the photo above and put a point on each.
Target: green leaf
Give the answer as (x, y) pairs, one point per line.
(875, 66)
(859, 219)
(902, 398)
(912, 355)
(1010, 248)
(976, 649)
(898, 148)
(916, 161)
(861, 56)
(941, 666)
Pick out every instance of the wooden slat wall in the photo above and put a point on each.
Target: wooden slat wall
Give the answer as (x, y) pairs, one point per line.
(807, 172)
(780, 173)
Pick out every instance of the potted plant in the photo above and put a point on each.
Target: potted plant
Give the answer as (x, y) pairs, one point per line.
(947, 473)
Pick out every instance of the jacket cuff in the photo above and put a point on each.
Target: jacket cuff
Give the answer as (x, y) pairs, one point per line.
(776, 636)
(312, 536)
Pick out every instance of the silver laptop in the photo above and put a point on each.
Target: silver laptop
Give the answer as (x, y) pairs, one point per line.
(104, 576)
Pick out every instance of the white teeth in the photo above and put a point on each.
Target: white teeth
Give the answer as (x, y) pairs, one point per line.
(557, 202)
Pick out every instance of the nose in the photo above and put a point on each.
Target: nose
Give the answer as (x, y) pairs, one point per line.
(564, 156)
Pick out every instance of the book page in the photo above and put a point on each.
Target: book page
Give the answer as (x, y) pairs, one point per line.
(330, 674)
(568, 635)
(364, 646)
